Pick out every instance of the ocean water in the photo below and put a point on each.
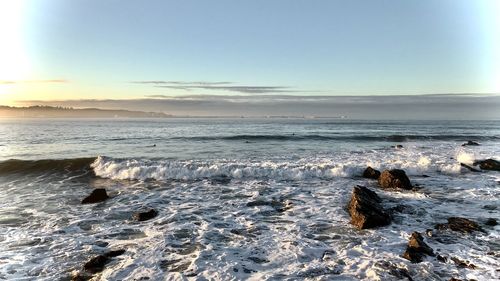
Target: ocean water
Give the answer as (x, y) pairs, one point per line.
(241, 199)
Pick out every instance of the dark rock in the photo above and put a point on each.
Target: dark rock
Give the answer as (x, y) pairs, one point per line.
(473, 143)
(144, 216)
(488, 164)
(114, 253)
(454, 279)
(469, 167)
(365, 209)
(491, 222)
(394, 179)
(371, 173)
(460, 224)
(441, 258)
(417, 248)
(394, 270)
(463, 264)
(96, 264)
(97, 195)
(258, 260)
(398, 146)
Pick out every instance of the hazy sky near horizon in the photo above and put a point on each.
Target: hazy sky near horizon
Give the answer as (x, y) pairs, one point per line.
(122, 50)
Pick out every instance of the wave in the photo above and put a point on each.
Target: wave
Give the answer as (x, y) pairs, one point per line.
(161, 170)
(47, 165)
(360, 138)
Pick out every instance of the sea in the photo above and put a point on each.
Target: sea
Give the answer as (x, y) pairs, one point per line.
(242, 198)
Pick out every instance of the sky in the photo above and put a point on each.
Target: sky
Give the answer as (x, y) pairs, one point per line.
(87, 51)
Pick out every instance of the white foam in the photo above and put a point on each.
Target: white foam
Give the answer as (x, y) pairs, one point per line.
(465, 157)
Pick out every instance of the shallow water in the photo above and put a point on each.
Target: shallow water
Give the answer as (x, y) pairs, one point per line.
(240, 198)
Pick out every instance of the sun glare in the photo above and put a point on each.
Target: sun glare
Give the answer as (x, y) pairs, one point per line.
(14, 62)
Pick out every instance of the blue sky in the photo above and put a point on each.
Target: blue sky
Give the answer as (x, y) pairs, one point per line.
(105, 49)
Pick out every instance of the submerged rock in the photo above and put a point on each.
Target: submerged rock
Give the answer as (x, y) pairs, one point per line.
(278, 205)
(473, 143)
(488, 164)
(97, 195)
(469, 167)
(365, 209)
(394, 179)
(371, 173)
(417, 248)
(460, 224)
(144, 216)
(491, 222)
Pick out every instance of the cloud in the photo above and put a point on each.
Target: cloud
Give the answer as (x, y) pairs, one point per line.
(218, 86)
(8, 82)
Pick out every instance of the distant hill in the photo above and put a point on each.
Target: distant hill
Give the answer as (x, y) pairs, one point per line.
(69, 112)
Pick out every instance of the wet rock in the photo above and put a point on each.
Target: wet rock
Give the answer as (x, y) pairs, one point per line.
(417, 248)
(469, 168)
(97, 263)
(463, 264)
(144, 216)
(398, 146)
(394, 270)
(97, 195)
(371, 173)
(394, 179)
(365, 209)
(488, 164)
(471, 143)
(491, 222)
(442, 258)
(460, 224)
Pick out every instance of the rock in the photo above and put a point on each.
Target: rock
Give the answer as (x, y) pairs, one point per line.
(441, 258)
(491, 222)
(460, 224)
(399, 146)
(469, 167)
(463, 264)
(488, 164)
(365, 209)
(470, 143)
(371, 173)
(394, 270)
(394, 179)
(97, 263)
(144, 216)
(417, 248)
(97, 195)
